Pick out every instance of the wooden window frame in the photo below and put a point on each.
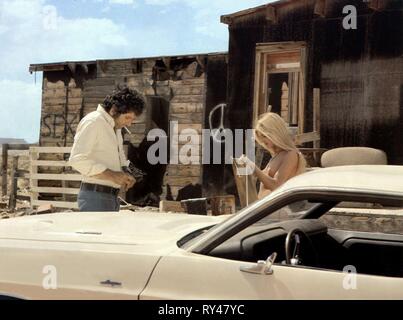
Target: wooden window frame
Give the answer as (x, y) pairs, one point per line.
(263, 50)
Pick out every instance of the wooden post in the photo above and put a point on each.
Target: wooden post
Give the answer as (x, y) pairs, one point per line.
(316, 121)
(301, 95)
(12, 202)
(33, 169)
(4, 149)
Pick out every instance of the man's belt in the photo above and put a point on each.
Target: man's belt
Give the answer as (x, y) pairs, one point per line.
(99, 188)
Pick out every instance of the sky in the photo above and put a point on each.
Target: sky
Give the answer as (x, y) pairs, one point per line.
(44, 31)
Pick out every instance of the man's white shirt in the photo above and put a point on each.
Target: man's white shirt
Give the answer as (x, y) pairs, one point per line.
(97, 147)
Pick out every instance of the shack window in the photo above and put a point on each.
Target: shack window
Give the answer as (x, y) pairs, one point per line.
(280, 82)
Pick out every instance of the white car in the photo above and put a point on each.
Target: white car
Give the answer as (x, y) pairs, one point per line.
(276, 248)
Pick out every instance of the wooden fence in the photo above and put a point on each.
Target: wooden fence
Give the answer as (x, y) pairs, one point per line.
(15, 151)
(35, 177)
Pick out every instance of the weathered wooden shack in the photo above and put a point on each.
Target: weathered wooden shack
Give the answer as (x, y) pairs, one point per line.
(333, 69)
(176, 88)
(350, 51)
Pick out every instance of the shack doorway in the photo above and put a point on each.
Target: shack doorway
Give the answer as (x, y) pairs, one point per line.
(147, 192)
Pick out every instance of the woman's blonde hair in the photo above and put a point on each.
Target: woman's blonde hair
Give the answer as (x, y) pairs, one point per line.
(272, 126)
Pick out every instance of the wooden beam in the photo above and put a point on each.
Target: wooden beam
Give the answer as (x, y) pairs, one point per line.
(226, 20)
(54, 68)
(316, 121)
(167, 62)
(202, 61)
(12, 146)
(13, 190)
(316, 110)
(376, 5)
(4, 151)
(171, 206)
(57, 177)
(46, 163)
(320, 8)
(229, 17)
(33, 156)
(271, 14)
(72, 67)
(103, 64)
(56, 190)
(50, 149)
(306, 137)
(57, 204)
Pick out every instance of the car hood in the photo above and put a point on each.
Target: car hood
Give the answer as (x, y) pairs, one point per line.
(125, 227)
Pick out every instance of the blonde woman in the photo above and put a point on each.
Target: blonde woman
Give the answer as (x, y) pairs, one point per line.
(272, 134)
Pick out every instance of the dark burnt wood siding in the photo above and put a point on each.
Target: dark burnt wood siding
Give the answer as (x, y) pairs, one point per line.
(359, 72)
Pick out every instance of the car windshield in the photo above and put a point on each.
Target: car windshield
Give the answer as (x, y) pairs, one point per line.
(295, 210)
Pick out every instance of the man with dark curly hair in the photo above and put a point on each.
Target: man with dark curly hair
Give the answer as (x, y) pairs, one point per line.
(97, 151)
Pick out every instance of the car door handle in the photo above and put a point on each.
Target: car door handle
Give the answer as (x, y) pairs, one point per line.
(262, 266)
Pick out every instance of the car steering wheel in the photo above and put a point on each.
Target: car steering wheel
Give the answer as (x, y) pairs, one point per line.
(292, 254)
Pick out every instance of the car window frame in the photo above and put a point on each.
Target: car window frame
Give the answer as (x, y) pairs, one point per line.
(264, 207)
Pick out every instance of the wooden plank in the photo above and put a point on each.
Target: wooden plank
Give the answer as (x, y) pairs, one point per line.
(316, 115)
(58, 101)
(282, 46)
(188, 99)
(306, 137)
(188, 90)
(23, 174)
(53, 85)
(180, 83)
(13, 190)
(21, 153)
(56, 190)
(320, 8)
(171, 206)
(4, 157)
(57, 109)
(294, 87)
(178, 107)
(187, 118)
(181, 181)
(271, 14)
(61, 93)
(284, 58)
(60, 176)
(24, 198)
(301, 93)
(46, 163)
(50, 149)
(33, 156)
(222, 205)
(264, 103)
(56, 204)
(183, 170)
(12, 146)
(257, 86)
(196, 127)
